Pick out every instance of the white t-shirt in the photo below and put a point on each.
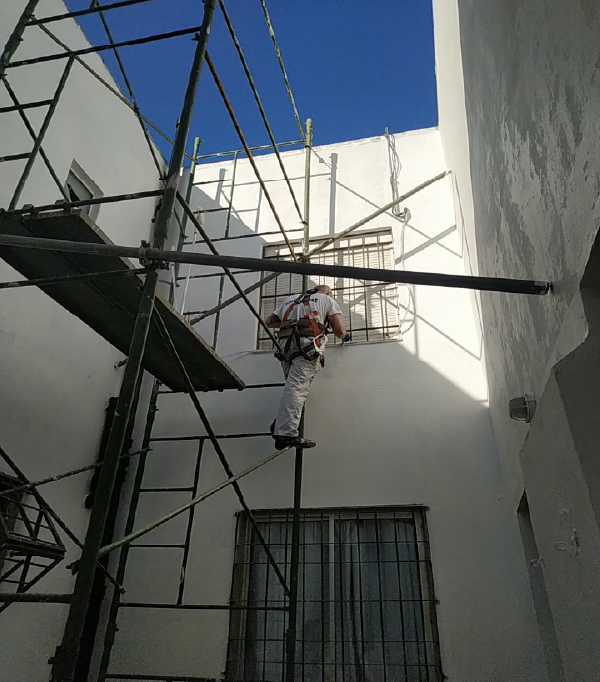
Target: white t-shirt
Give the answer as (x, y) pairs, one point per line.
(321, 305)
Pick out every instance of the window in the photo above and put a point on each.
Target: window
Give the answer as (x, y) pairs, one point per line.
(369, 309)
(80, 187)
(366, 608)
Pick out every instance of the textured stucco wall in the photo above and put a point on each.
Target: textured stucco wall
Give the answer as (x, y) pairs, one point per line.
(564, 523)
(56, 374)
(519, 94)
(532, 96)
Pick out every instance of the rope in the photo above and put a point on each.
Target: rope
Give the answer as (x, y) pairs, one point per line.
(401, 214)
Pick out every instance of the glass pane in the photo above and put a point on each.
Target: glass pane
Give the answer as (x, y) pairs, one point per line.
(379, 618)
(265, 630)
(364, 600)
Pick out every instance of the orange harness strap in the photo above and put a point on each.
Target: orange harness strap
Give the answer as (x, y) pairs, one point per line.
(315, 327)
(313, 321)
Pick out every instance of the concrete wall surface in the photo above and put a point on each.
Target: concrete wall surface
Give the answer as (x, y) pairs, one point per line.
(403, 421)
(565, 501)
(518, 95)
(56, 374)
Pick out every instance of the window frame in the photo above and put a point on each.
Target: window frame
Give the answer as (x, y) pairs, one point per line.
(77, 172)
(387, 330)
(238, 632)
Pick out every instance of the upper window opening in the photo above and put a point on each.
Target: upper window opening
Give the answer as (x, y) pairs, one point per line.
(80, 187)
(369, 309)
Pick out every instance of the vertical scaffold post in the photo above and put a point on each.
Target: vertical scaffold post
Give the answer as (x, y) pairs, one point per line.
(188, 198)
(292, 632)
(64, 663)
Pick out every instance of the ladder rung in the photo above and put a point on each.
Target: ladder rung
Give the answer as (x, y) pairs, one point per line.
(14, 157)
(27, 105)
(159, 546)
(166, 490)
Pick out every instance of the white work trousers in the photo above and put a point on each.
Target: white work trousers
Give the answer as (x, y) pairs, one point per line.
(299, 375)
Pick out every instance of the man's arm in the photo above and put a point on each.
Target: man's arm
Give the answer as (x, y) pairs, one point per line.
(337, 325)
(273, 322)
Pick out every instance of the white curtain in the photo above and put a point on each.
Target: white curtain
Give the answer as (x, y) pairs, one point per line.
(380, 634)
(362, 619)
(265, 630)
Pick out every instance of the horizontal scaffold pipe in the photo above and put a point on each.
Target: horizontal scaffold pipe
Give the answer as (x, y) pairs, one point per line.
(32, 210)
(35, 598)
(436, 279)
(65, 279)
(83, 12)
(101, 48)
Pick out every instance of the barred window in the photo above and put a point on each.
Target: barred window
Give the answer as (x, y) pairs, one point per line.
(366, 607)
(369, 309)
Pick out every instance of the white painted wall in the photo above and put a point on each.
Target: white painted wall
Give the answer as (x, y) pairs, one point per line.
(55, 373)
(518, 101)
(396, 423)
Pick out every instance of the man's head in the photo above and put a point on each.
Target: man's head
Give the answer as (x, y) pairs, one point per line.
(321, 289)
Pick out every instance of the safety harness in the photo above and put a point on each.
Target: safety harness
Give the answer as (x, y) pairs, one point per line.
(306, 327)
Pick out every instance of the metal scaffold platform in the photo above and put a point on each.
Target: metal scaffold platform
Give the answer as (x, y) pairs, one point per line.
(109, 303)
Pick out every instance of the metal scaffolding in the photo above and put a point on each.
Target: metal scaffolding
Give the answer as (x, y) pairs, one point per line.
(150, 320)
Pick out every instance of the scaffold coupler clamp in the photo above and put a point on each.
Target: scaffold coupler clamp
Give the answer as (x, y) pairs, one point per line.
(303, 258)
(63, 205)
(147, 262)
(31, 209)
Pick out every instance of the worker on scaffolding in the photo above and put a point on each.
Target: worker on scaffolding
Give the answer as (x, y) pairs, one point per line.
(303, 322)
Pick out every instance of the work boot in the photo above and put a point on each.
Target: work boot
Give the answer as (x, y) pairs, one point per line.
(282, 442)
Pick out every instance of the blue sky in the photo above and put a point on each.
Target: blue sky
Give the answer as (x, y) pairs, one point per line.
(355, 67)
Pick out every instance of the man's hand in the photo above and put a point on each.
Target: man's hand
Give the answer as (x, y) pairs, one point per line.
(347, 337)
(273, 322)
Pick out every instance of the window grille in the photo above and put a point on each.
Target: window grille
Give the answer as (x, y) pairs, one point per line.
(366, 608)
(369, 309)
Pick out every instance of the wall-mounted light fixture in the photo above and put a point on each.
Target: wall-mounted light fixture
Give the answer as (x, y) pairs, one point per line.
(522, 409)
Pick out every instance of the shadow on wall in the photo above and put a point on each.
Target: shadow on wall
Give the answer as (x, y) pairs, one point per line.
(202, 288)
(578, 379)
